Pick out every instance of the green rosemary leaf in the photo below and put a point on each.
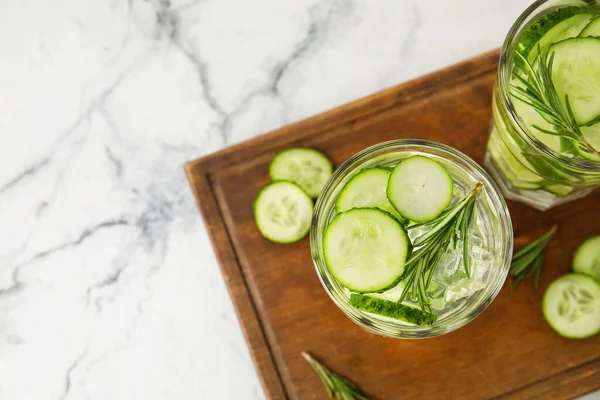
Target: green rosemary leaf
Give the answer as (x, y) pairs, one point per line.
(538, 270)
(523, 82)
(528, 260)
(520, 265)
(522, 250)
(445, 230)
(336, 385)
(466, 221)
(594, 121)
(546, 131)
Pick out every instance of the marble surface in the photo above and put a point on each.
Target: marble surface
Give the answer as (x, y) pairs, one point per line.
(109, 288)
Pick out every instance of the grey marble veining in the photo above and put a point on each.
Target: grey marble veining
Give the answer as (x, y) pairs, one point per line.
(109, 288)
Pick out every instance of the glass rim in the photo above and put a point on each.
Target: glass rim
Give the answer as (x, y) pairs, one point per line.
(504, 71)
(398, 329)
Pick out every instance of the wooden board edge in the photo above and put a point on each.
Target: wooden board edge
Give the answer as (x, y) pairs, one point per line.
(571, 383)
(243, 302)
(402, 93)
(253, 290)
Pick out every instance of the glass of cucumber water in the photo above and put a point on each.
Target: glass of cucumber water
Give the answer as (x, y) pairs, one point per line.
(544, 146)
(411, 239)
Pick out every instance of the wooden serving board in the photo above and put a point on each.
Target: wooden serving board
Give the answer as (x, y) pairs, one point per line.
(507, 352)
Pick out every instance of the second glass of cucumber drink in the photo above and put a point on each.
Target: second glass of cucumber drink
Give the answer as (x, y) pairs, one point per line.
(411, 239)
(544, 147)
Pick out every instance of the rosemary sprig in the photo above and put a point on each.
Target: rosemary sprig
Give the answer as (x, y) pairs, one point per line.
(527, 261)
(539, 92)
(337, 386)
(451, 225)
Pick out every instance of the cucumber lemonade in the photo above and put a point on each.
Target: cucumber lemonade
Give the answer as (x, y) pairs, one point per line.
(378, 214)
(544, 146)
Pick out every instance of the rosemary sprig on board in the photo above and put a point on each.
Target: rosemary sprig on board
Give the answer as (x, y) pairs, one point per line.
(527, 261)
(538, 91)
(336, 385)
(451, 225)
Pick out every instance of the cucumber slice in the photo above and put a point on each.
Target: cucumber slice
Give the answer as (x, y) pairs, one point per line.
(420, 188)
(392, 309)
(307, 167)
(283, 212)
(571, 306)
(592, 135)
(366, 249)
(576, 73)
(531, 117)
(587, 258)
(517, 171)
(367, 189)
(559, 190)
(591, 29)
(568, 28)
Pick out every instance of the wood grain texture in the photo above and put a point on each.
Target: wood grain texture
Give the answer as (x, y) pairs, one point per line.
(507, 352)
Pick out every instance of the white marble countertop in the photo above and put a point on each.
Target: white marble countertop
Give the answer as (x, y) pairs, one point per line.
(109, 288)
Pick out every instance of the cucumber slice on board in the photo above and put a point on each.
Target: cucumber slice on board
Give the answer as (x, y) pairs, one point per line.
(367, 189)
(576, 73)
(420, 188)
(592, 135)
(568, 28)
(571, 306)
(392, 309)
(587, 258)
(591, 29)
(366, 249)
(283, 212)
(307, 167)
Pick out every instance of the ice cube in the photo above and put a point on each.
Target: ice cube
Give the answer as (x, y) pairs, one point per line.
(476, 237)
(475, 241)
(458, 194)
(481, 263)
(414, 233)
(458, 290)
(450, 268)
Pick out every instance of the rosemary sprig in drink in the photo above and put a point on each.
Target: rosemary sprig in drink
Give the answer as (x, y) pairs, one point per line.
(451, 225)
(337, 386)
(528, 260)
(539, 92)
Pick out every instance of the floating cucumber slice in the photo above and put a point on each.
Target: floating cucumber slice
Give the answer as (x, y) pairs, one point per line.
(587, 258)
(531, 117)
(367, 189)
(576, 73)
(571, 306)
(517, 171)
(366, 249)
(568, 28)
(592, 135)
(559, 190)
(420, 188)
(283, 212)
(307, 167)
(392, 309)
(591, 29)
